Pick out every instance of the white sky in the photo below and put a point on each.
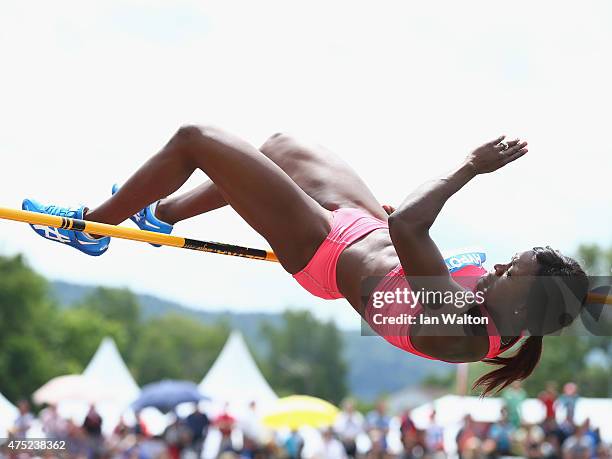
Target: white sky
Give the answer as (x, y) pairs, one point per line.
(401, 89)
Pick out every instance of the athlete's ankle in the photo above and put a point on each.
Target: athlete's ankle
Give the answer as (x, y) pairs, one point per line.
(90, 215)
(86, 213)
(163, 212)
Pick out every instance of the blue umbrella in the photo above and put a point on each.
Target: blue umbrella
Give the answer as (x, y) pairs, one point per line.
(165, 395)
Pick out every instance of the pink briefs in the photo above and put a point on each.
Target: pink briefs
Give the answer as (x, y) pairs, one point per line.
(348, 225)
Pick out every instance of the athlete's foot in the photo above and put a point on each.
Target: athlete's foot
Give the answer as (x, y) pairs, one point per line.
(146, 219)
(77, 239)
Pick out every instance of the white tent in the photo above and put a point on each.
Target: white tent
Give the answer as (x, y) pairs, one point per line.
(108, 369)
(78, 388)
(235, 378)
(8, 414)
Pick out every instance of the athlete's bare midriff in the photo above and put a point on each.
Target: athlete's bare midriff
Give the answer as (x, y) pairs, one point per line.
(373, 257)
(370, 257)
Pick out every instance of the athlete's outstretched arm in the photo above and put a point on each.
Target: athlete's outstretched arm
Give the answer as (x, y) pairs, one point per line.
(409, 225)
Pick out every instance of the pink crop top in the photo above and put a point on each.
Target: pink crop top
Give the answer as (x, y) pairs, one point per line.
(399, 335)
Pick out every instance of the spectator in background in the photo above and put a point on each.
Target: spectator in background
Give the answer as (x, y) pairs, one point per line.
(93, 422)
(121, 429)
(140, 429)
(53, 425)
(551, 448)
(24, 420)
(177, 437)
(513, 397)
(548, 397)
(568, 400)
(434, 437)
(603, 451)
(225, 423)
(554, 435)
(377, 426)
(92, 426)
(409, 436)
(501, 433)
(593, 434)
(407, 426)
(580, 445)
(467, 438)
(567, 428)
(332, 448)
(197, 423)
(294, 444)
(250, 424)
(250, 448)
(150, 447)
(349, 424)
(532, 442)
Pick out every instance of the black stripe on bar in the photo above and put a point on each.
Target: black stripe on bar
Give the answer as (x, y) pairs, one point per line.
(78, 225)
(217, 247)
(65, 223)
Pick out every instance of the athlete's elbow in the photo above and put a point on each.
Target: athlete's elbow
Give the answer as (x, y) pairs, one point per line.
(406, 223)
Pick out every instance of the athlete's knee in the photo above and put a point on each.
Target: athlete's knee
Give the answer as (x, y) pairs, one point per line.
(193, 138)
(183, 143)
(188, 144)
(190, 133)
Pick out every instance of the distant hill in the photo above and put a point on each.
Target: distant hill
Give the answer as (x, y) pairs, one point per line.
(375, 366)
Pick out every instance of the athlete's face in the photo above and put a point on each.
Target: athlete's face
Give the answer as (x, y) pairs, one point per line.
(507, 286)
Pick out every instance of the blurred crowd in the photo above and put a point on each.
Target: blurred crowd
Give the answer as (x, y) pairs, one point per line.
(548, 439)
(375, 435)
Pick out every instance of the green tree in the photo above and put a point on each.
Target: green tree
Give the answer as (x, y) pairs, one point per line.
(595, 260)
(81, 331)
(176, 347)
(446, 381)
(23, 298)
(38, 340)
(25, 365)
(306, 357)
(117, 305)
(28, 357)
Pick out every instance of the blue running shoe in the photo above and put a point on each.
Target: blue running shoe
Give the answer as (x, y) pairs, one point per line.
(77, 239)
(145, 219)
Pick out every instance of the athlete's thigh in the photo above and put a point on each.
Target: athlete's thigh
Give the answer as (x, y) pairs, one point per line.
(263, 194)
(322, 174)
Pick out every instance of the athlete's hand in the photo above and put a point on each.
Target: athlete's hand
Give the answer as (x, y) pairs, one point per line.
(496, 154)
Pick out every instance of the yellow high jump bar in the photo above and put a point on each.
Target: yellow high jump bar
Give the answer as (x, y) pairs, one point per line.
(102, 229)
(599, 298)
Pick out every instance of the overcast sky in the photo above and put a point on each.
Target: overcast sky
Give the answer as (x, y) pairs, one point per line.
(401, 89)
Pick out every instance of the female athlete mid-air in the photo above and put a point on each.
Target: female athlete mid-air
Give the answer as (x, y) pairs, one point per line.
(331, 234)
